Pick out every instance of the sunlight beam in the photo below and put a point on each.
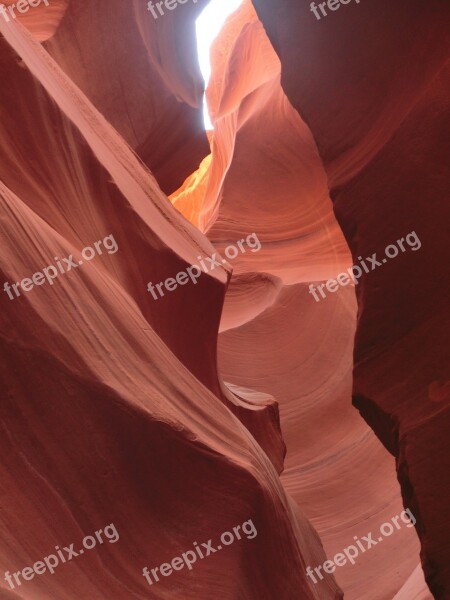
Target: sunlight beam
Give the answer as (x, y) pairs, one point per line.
(208, 26)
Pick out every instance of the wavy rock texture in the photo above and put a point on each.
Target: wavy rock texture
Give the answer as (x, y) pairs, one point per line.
(386, 163)
(306, 335)
(41, 20)
(142, 75)
(113, 406)
(112, 410)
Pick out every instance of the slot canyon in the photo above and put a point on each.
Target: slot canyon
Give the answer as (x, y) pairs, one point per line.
(225, 348)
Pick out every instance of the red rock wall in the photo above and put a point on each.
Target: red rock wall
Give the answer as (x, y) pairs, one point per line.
(112, 408)
(329, 136)
(371, 81)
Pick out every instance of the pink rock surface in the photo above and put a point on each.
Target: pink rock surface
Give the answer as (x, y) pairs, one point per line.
(329, 144)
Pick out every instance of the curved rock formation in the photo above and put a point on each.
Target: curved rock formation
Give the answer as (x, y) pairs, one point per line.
(377, 107)
(122, 407)
(107, 415)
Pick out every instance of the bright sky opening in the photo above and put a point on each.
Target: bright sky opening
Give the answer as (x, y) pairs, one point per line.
(209, 24)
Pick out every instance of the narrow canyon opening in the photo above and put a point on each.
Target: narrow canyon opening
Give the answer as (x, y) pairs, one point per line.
(177, 322)
(208, 26)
